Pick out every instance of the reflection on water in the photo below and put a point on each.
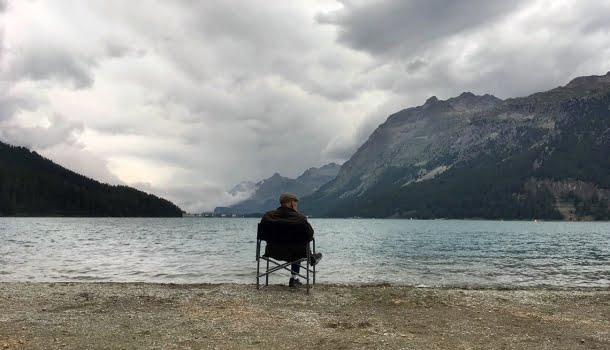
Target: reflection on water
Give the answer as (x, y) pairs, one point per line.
(408, 252)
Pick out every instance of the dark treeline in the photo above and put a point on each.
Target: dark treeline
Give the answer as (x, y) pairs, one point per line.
(480, 189)
(31, 185)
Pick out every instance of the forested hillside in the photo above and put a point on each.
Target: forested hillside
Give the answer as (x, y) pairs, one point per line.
(31, 185)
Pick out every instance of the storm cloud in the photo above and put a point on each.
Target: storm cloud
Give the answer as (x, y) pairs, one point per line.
(403, 27)
(187, 98)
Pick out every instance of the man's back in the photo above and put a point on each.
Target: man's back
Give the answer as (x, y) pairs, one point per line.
(290, 222)
(286, 233)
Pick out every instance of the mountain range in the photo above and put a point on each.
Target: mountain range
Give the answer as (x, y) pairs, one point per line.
(264, 194)
(544, 156)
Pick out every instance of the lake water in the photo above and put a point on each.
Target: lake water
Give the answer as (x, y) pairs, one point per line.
(458, 253)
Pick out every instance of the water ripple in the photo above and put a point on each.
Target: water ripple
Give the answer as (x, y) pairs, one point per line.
(410, 252)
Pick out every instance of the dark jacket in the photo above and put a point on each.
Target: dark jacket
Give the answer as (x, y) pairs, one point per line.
(289, 233)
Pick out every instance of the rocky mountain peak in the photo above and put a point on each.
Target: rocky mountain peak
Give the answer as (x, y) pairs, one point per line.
(434, 106)
(581, 87)
(431, 100)
(465, 101)
(466, 94)
(468, 100)
(316, 177)
(330, 165)
(275, 180)
(590, 81)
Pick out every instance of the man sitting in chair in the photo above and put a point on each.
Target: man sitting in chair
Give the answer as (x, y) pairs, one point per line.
(287, 214)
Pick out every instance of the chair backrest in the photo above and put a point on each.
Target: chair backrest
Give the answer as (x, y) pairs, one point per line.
(282, 232)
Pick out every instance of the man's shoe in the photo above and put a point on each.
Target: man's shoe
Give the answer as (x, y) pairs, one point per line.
(314, 259)
(294, 282)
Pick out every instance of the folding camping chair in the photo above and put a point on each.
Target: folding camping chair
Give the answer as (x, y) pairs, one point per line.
(284, 238)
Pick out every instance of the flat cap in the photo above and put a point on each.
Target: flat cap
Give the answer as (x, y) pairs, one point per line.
(286, 197)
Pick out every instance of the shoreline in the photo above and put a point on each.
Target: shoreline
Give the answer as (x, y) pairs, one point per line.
(322, 284)
(141, 315)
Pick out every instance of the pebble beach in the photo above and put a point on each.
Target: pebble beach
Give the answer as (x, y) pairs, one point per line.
(238, 316)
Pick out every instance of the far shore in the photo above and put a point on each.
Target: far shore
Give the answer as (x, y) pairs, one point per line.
(258, 216)
(238, 316)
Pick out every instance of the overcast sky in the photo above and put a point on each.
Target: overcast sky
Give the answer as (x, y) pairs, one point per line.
(185, 99)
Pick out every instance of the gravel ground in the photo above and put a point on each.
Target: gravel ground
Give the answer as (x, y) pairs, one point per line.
(232, 316)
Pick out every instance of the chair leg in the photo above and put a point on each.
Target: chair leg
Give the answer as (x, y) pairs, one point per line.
(267, 275)
(308, 286)
(314, 267)
(307, 266)
(258, 262)
(258, 267)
